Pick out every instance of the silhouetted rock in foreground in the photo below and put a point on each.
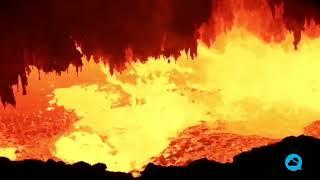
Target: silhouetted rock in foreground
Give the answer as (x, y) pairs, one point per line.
(259, 163)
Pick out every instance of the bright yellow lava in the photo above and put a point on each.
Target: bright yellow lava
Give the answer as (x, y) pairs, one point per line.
(9, 153)
(255, 88)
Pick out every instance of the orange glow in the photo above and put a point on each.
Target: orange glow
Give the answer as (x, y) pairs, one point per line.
(202, 141)
(246, 87)
(255, 88)
(31, 128)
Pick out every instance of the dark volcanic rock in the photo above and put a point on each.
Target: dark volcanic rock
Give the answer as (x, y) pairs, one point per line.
(261, 162)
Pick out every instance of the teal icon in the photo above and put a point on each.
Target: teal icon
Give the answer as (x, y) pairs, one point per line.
(293, 162)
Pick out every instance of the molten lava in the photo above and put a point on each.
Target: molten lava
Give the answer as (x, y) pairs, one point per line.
(201, 141)
(251, 83)
(254, 88)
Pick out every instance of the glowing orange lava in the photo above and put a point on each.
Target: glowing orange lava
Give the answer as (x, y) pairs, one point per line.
(31, 128)
(246, 89)
(138, 110)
